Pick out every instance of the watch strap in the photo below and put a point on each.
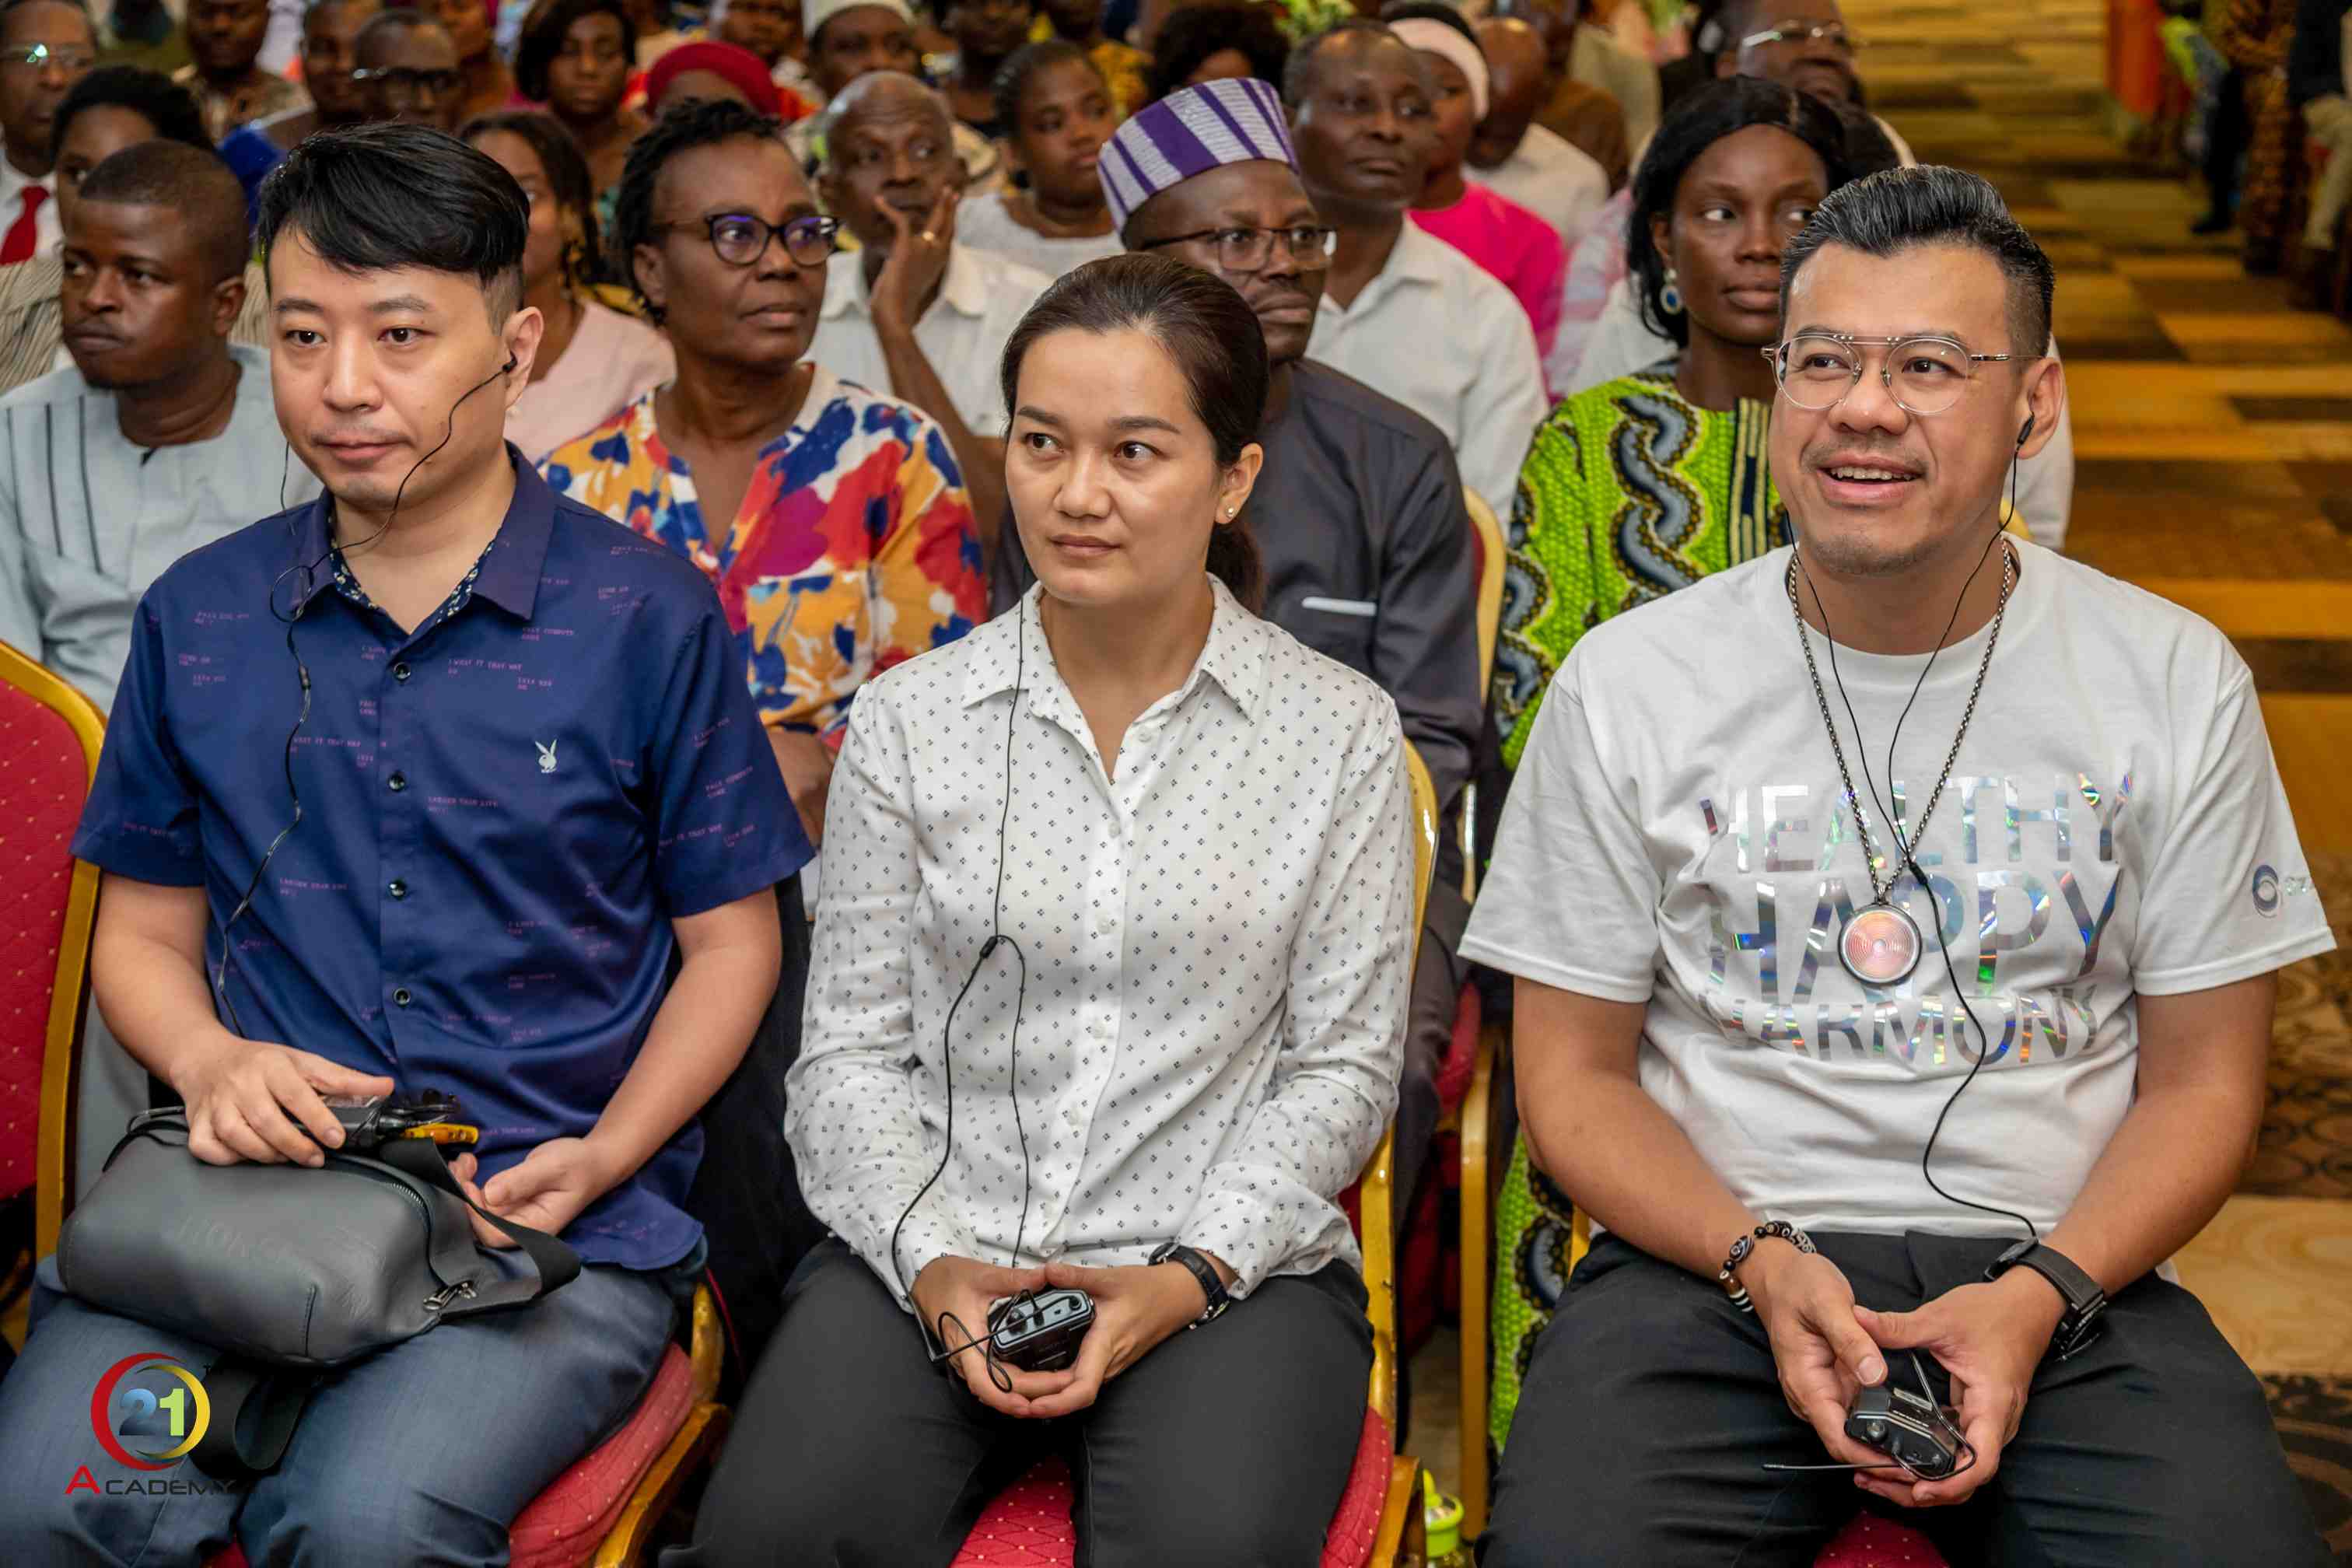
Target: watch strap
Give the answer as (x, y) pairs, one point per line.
(2084, 1298)
(1212, 1286)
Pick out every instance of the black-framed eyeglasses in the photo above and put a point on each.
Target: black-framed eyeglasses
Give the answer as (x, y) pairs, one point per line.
(1924, 374)
(1833, 34)
(406, 83)
(741, 238)
(32, 57)
(1243, 249)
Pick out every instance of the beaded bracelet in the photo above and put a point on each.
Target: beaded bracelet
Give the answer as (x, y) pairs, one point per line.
(1728, 1276)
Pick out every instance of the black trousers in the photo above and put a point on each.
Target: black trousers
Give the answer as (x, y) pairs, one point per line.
(1652, 1403)
(1225, 1446)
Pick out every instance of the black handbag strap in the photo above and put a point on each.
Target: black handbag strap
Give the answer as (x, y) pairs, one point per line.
(253, 1411)
(556, 1263)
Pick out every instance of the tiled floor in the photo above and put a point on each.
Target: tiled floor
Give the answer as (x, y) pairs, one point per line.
(2213, 429)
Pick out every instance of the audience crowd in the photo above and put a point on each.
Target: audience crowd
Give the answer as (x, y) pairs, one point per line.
(985, 504)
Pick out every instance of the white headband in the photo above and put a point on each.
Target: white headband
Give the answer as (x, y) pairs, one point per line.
(1432, 36)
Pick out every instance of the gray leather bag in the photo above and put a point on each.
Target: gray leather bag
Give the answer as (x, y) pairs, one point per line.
(288, 1267)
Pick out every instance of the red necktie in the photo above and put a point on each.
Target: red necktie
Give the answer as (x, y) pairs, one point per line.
(20, 243)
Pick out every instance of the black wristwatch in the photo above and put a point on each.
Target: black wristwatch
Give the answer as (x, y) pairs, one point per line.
(2084, 1299)
(1201, 1269)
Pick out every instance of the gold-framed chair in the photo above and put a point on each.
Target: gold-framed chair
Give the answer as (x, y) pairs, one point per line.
(1492, 556)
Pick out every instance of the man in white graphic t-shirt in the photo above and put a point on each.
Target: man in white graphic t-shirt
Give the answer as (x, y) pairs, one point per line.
(2045, 859)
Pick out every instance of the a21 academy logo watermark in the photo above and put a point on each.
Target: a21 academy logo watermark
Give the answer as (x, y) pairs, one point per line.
(149, 1413)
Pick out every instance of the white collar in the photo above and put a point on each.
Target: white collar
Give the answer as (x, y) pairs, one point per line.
(964, 287)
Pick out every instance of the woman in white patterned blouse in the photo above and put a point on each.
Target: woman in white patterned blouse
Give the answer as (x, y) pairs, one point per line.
(1173, 1016)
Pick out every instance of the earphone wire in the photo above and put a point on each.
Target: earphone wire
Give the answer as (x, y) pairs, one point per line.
(302, 671)
(1910, 861)
(996, 938)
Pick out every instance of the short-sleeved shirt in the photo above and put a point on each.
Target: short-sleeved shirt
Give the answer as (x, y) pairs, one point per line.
(853, 550)
(1677, 835)
(502, 814)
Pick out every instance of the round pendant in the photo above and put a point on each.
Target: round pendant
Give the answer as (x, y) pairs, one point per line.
(1881, 945)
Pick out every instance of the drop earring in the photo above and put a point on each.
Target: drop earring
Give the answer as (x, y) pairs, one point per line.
(1670, 298)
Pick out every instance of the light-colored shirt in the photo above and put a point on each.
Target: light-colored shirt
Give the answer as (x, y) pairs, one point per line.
(1621, 344)
(982, 223)
(1516, 247)
(1437, 333)
(853, 549)
(612, 361)
(2114, 827)
(1217, 942)
(1553, 178)
(87, 520)
(48, 229)
(982, 296)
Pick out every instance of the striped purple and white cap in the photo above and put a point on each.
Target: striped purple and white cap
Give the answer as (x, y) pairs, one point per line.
(1191, 132)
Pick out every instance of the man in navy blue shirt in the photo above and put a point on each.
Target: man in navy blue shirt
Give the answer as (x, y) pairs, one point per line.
(532, 783)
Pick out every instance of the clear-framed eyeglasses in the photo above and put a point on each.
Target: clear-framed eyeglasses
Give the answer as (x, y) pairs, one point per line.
(1248, 249)
(741, 238)
(32, 57)
(1833, 34)
(1924, 374)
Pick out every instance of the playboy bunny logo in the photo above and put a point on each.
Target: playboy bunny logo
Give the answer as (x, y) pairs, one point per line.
(546, 755)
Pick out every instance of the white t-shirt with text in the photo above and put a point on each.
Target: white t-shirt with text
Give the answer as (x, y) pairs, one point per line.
(2114, 827)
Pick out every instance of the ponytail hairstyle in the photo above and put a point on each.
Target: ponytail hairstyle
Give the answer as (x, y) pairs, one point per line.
(1212, 335)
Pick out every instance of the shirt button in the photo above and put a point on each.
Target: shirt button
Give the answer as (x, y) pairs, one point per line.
(401, 998)
(399, 672)
(396, 888)
(396, 783)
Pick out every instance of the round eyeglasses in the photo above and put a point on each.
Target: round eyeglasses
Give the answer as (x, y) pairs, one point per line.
(1923, 374)
(741, 238)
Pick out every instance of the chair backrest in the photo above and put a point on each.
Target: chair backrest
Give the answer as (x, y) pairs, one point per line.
(49, 739)
(1425, 832)
(1486, 537)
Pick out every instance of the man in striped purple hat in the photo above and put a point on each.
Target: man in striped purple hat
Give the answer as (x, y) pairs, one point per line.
(1358, 512)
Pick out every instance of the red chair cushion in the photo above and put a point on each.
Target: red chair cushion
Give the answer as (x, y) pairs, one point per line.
(44, 779)
(565, 1523)
(1027, 1525)
(1461, 1063)
(1871, 1541)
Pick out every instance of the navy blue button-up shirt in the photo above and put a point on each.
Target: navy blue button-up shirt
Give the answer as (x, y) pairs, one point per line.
(502, 811)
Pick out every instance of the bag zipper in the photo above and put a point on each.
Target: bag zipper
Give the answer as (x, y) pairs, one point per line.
(439, 1299)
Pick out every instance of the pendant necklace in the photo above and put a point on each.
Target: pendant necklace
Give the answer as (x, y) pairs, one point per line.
(1881, 944)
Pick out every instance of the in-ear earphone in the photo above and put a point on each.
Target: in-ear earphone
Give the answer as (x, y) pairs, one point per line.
(510, 365)
(2027, 433)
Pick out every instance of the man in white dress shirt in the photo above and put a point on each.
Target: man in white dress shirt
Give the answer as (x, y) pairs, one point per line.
(46, 47)
(911, 312)
(1515, 157)
(1402, 311)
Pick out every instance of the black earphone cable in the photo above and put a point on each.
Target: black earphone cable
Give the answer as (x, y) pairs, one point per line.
(949, 1351)
(302, 671)
(1910, 861)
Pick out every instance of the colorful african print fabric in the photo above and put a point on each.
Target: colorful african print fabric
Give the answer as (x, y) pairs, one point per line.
(1544, 1238)
(1629, 492)
(853, 549)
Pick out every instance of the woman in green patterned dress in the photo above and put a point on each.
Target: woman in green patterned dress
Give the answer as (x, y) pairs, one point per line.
(1646, 484)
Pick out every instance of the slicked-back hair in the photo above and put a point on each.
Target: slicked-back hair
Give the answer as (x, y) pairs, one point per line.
(189, 182)
(151, 95)
(567, 172)
(1298, 70)
(1201, 323)
(1716, 110)
(379, 198)
(697, 122)
(1898, 209)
